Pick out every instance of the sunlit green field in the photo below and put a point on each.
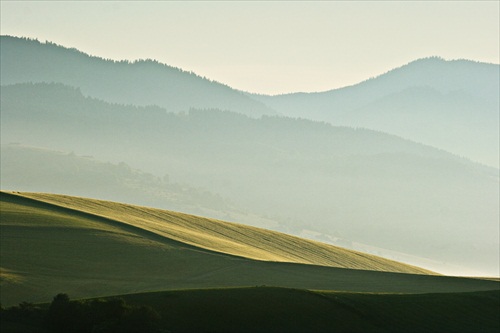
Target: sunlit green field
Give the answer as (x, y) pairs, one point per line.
(89, 248)
(208, 234)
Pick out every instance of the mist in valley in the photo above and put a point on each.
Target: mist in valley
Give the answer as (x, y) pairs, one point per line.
(401, 165)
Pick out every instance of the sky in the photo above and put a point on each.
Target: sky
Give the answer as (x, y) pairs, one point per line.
(268, 47)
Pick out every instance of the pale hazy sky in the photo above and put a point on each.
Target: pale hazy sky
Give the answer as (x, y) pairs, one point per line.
(267, 47)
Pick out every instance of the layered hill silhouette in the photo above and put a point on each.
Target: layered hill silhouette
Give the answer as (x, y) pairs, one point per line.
(350, 185)
(91, 248)
(451, 105)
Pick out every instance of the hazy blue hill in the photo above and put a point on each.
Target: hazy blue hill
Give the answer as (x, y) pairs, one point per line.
(477, 79)
(349, 184)
(144, 82)
(457, 122)
(65, 110)
(33, 169)
(452, 105)
(41, 170)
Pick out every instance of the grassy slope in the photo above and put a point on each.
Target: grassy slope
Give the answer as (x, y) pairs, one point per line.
(260, 309)
(47, 249)
(271, 309)
(225, 237)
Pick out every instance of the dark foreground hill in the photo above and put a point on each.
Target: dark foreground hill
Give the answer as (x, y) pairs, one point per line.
(264, 309)
(261, 309)
(88, 248)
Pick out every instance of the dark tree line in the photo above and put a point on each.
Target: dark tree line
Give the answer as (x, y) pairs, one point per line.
(82, 316)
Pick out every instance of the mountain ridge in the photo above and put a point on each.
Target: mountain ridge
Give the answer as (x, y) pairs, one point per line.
(466, 129)
(458, 113)
(141, 82)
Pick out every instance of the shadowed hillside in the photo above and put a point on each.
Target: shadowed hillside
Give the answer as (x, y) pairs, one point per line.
(261, 309)
(286, 310)
(52, 243)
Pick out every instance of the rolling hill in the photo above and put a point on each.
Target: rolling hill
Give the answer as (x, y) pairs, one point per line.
(349, 185)
(267, 309)
(88, 248)
(262, 309)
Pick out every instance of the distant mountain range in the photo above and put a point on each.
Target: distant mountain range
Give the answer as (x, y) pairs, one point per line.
(451, 105)
(143, 82)
(346, 183)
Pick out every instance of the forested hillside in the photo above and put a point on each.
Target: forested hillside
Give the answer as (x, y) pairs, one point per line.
(143, 82)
